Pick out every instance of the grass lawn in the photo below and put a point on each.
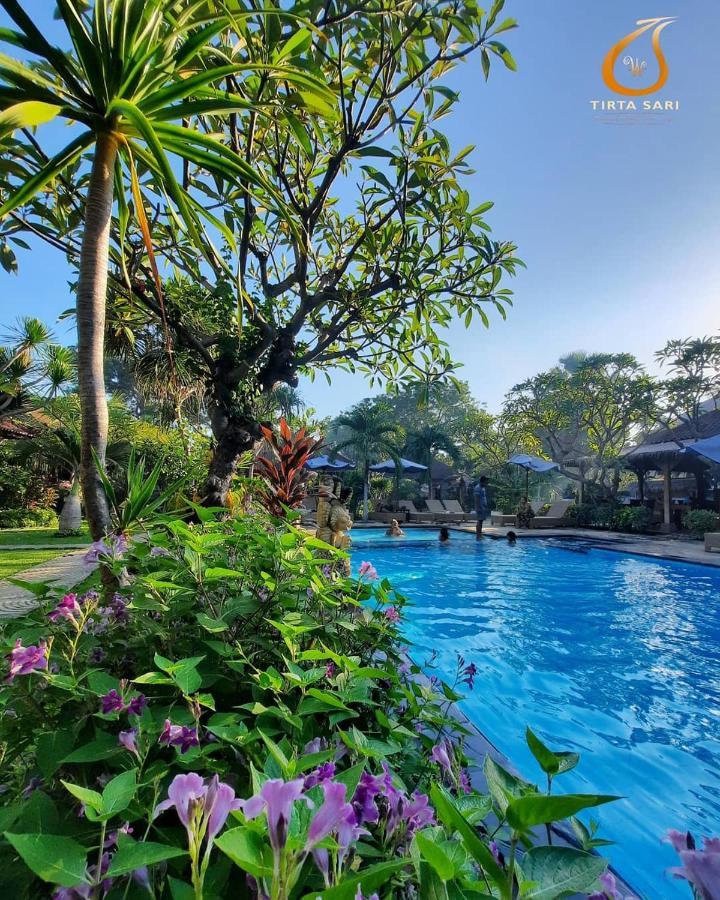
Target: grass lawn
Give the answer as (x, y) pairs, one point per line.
(11, 537)
(14, 561)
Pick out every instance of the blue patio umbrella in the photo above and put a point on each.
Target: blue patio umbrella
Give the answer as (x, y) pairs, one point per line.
(388, 467)
(532, 464)
(339, 463)
(709, 448)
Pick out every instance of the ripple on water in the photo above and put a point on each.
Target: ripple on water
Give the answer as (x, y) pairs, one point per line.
(612, 655)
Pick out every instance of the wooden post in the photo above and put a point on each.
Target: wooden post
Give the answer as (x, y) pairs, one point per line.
(667, 499)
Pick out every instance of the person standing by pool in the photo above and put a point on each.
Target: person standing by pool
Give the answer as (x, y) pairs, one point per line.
(525, 514)
(482, 504)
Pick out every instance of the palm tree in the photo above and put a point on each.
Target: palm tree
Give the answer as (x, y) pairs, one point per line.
(369, 432)
(31, 366)
(425, 443)
(136, 67)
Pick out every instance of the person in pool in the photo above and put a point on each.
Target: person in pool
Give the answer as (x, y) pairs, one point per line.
(395, 530)
(444, 535)
(511, 537)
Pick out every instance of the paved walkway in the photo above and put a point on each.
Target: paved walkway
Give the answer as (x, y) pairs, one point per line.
(67, 570)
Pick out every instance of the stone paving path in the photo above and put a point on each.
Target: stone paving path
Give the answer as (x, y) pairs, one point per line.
(67, 570)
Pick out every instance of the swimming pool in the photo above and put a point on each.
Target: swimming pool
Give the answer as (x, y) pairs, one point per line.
(613, 655)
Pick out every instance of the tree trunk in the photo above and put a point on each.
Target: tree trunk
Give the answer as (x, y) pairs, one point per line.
(234, 435)
(366, 492)
(71, 513)
(90, 314)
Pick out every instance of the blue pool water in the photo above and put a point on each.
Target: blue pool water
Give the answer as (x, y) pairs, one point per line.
(613, 655)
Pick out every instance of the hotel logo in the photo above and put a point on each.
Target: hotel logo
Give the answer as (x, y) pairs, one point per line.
(623, 70)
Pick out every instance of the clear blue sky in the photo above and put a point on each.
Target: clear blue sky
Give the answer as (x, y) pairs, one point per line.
(618, 222)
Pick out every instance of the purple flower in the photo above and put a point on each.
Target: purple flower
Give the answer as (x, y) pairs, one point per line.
(24, 660)
(440, 754)
(609, 885)
(465, 785)
(114, 547)
(67, 608)
(392, 614)
(112, 702)
(368, 570)
(185, 793)
(276, 799)
(31, 787)
(330, 670)
(327, 571)
(97, 655)
(220, 800)
(699, 867)
(179, 736)
(137, 705)
(359, 895)
(96, 549)
(497, 854)
(331, 814)
(368, 788)
(315, 746)
(323, 773)
(159, 551)
(128, 739)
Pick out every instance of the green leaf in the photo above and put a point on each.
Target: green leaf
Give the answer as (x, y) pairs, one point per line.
(89, 798)
(102, 748)
(214, 626)
(434, 854)
(432, 885)
(51, 748)
(539, 809)
(118, 792)
(454, 820)
(26, 115)
(132, 855)
(246, 849)
(55, 859)
(550, 872)
(368, 880)
(550, 762)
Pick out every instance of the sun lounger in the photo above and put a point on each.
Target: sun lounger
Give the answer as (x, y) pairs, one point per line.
(555, 516)
(415, 516)
(440, 513)
(453, 506)
(503, 519)
(712, 541)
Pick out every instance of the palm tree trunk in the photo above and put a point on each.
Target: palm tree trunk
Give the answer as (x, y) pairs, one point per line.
(366, 491)
(90, 314)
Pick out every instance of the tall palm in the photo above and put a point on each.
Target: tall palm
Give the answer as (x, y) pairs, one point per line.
(136, 67)
(425, 444)
(369, 432)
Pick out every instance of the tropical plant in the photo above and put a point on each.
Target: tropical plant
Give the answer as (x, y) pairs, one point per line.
(699, 521)
(284, 476)
(369, 432)
(55, 449)
(194, 735)
(136, 67)
(31, 367)
(368, 288)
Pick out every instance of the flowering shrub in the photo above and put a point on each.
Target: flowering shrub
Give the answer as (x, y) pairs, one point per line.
(242, 720)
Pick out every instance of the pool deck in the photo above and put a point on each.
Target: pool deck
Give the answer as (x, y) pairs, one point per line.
(659, 546)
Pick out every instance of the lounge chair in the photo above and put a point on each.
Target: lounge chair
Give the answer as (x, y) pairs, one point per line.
(386, 517)
(440, 513)
(454, 507)
(712, 541)
(504, 519)
(413, 513)
(555, 516)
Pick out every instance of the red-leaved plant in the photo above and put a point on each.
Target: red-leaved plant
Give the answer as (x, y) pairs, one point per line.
(285, 476)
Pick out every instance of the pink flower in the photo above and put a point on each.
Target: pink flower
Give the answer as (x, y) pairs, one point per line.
(700, 867)
(392, 614)
(368, 570)
(24, 660)
(441, 754)
(67, 608)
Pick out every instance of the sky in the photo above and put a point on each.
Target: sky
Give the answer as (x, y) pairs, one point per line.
(615, 215)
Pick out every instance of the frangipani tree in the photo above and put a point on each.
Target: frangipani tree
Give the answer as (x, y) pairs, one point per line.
(139, 74)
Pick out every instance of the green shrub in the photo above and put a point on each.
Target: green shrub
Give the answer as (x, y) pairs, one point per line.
(698, 521)
(241, 663)
(28, 518)
(634, 519)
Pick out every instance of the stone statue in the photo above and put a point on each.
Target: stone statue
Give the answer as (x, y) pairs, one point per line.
(333, 519)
